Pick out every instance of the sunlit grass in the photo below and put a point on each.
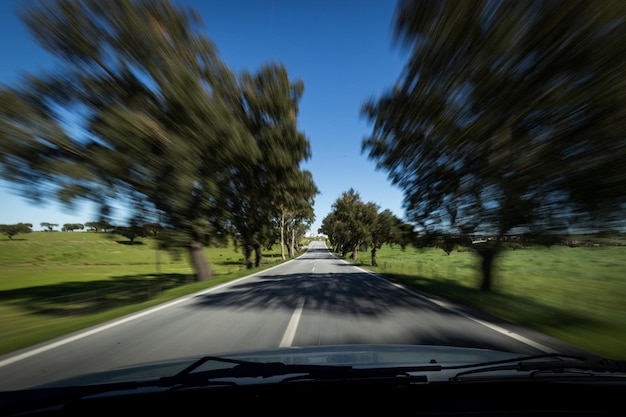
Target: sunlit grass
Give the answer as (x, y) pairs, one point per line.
(54, 283)
(574, 294)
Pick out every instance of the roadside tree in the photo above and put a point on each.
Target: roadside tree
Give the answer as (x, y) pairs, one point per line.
(151, 95)
(14, 229)
(508, 117)
(49, 226)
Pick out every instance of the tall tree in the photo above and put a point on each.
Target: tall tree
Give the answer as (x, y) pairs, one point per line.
(348, 225)
(268, 101)
(295, 209)
(148, 94)
(384, 230)
(508, 116)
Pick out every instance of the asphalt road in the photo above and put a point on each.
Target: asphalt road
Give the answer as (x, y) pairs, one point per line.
(316, 299)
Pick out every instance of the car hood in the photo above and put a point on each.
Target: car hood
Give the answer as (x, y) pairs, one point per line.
(361, 356)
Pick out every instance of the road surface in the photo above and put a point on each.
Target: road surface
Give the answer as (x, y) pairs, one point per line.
(316, 299)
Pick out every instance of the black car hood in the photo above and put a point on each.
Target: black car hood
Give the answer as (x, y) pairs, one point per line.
(362, 356)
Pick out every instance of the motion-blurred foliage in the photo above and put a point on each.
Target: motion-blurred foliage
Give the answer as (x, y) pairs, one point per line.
(509, 117)
(140, 108)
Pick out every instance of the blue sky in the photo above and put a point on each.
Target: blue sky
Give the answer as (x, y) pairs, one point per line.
(341, 50)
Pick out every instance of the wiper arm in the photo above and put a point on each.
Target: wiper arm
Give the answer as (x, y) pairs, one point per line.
(559, 364)
(43, 397)
(243, 369)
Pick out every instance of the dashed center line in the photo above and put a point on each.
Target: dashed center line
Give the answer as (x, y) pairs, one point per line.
(290, 332)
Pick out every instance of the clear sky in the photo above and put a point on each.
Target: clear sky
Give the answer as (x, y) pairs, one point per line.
(342, 50)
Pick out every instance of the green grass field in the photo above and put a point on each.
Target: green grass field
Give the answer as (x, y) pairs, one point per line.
(55, 283)
(575, 294)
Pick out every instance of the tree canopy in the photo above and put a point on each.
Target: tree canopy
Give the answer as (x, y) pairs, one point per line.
(353, 225)
(257, 193)
(49, 226)
(508, 116)
(15, 229)
(141, 109)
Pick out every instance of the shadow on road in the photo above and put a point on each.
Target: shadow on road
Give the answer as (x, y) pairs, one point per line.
(358, 294)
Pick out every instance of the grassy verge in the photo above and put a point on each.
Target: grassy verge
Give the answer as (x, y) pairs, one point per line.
(55, 283)
(574, 294)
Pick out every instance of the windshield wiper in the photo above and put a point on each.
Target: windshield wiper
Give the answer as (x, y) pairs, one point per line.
(248, 369)
(557, 364)
(191, 377)
(16, 401)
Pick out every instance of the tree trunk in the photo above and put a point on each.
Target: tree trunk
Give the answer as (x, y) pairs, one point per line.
(248, 255)
(374, 250)
(289, 250)
(292, 242)
(355, 253)
(258, 255)
(200, 262)
(282, 235)
(487, 256)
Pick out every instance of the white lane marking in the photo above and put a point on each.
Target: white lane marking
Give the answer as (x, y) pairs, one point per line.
(442, 304)
(132, 317)
(499, 329)
(290, 332)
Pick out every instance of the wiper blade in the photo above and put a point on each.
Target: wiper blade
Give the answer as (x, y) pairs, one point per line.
(248, 369)
(558, 364)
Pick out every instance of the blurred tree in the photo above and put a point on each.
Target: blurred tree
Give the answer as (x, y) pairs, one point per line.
(131, 232)
(49, 226)
(336, 231)
(509, 116)
(99, 225)
(447, 242)
(147, 98)
(406, 235)
(152, 229)
(384, 230)
(268, 103)
(349, 224)
(70, 227)
(295, 215)
(14, 229)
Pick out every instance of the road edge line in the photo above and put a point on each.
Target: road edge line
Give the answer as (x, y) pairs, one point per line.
(522, 339)
(33, 351)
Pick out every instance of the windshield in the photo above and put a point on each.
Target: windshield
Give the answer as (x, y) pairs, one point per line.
(363, 183)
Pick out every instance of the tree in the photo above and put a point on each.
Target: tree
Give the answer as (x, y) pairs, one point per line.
(268, 102)
(13, 229)
(93, 226)
(384, 230)
(295, 204)
(152, 98)
(508, 117)
(49, 226)
(448, 242)
(99, 225)
(152, 229)
(348, 225)
(405, 234)
(131, 232)
(70, 227)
